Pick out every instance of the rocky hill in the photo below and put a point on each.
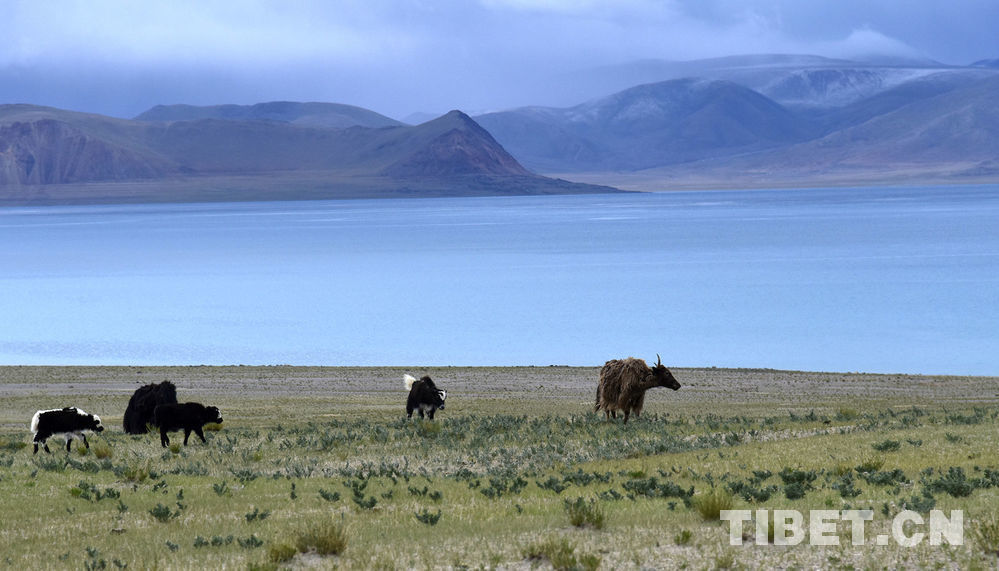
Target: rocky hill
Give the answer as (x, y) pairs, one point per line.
(48, 155)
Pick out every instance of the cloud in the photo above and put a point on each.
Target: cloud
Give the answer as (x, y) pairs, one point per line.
(398, 56)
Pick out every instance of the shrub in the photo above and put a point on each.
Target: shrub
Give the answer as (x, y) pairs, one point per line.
(683, 538)
(428, 518)
(896, 476)
(954, 483)
(101, 450)
(710, 505)
(887, 446)
(325, 537)
(582, 513)
(871, 464)
(281, 553)
(985, 534)
(163, 513)
(560, 554)
(845, 486)
(134, 474)
(795, 491)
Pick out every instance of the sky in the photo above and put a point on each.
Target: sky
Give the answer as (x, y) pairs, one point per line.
(398, 57)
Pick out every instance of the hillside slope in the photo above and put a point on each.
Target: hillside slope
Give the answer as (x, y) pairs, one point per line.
(48, 154)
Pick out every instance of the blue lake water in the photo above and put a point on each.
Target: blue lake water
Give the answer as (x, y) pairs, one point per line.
(866, 279)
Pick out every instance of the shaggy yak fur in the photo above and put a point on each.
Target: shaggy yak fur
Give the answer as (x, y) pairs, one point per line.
(187, 417)
(69, 422)
(424, 396)
(144, 401)
(623, 383)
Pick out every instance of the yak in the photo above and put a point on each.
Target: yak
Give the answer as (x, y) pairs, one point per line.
(144, 401)
(623, 383)
(424, 396)
(68, 422)
(186, 416)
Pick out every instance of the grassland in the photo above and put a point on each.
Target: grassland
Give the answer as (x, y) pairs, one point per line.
(317, 468)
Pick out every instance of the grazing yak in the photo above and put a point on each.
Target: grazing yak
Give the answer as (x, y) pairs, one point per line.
(424, 396)
(69, 422)
(623, 383)
(144, 401)
(187, 416)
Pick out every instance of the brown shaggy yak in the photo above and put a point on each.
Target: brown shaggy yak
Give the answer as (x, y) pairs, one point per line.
(623, 383)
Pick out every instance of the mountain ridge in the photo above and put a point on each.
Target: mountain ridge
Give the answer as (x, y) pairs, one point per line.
(47, 152)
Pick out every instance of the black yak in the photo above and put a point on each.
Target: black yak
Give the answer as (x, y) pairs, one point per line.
(623, 384)
(424, 396)
(69, 422)
(142, 404)
(187, 416)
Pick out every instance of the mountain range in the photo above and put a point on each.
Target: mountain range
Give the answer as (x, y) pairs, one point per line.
(268, 151)
(768, 120)
(746, 121)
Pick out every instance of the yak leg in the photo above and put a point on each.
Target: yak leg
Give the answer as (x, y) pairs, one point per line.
(164, 439)
(85, 443)
(431, 412)
(201, 435)
(626, 414)
(187, 434)
(69, 440)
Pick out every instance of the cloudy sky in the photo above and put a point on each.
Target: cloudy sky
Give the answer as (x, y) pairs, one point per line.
(120, 57)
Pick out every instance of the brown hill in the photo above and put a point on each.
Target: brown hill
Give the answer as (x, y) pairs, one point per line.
(47, 155)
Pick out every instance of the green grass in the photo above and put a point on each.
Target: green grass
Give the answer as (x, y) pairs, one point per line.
(349, 483)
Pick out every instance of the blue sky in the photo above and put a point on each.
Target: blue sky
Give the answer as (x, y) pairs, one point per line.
(120, 57)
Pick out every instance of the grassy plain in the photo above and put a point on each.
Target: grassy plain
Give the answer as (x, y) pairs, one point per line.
(317, 468)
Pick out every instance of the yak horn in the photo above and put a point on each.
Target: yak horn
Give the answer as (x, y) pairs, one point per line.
(659, 360)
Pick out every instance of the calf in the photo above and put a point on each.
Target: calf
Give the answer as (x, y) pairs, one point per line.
(424, 396)
(69, 422)
(186, 416)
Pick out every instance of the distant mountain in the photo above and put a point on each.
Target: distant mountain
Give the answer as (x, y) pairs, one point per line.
(310, 114)
(51, 155)
(933, 124)
(646, 126)
(791, 80)
(958, 128)
(990, 63)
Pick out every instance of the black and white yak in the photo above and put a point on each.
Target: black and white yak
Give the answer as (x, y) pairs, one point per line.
(186, 416)
(69, 422)
(144, 401)
(424, 396)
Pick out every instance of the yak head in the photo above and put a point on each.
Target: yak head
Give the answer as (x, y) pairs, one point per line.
(212, 414)
(662, 376)
(443, 395)
(90, 421)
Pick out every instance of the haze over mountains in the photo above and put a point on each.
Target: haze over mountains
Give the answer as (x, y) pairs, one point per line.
(728, 122)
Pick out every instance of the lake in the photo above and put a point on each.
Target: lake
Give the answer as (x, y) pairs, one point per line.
(860, 279)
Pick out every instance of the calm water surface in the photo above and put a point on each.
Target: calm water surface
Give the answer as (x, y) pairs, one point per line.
(867, 279)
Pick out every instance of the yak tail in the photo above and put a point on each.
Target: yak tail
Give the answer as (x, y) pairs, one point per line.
(596, 407)
(409, 380)
(34, 422)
